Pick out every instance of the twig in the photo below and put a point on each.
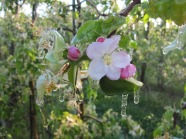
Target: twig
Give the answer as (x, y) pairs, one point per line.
(67, 29)
(82, 1)
(130, 26)
(125, 12)
(16, 2)
(94, 6)
(92, 117)
(79, 12)
(73, 17)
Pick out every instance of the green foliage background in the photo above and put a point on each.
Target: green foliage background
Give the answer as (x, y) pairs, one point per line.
(160, 109)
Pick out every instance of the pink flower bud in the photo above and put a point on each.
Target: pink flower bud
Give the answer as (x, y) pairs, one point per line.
(128, 71)
(73, 53)
(100, 39)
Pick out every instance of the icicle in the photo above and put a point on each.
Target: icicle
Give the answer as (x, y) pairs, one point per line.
(45, 125)
(172, 46)
(136, 97)
(179, 42)
(124, 105)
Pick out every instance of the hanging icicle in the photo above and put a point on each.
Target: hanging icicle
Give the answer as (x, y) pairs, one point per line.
(136, 97)
(124, 105)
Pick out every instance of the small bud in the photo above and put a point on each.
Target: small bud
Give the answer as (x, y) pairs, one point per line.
(128, 71)
(73, 53)
(100, 39)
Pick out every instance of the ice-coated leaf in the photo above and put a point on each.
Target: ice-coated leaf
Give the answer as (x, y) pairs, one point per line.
(118, 87)
(50, 57)
(88, 32)
(55, 67)
(111, 24)
(59, 45)
(41, 87)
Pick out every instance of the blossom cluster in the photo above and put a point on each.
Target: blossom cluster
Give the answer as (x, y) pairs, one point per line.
(108, 60)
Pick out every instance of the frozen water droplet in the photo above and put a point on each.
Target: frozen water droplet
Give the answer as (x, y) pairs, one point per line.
(123, 111)
(124, 105)
(61, 97)
(136, 97)
(40, 102)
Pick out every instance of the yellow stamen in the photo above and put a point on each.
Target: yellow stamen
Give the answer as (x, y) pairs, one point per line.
(107, 59)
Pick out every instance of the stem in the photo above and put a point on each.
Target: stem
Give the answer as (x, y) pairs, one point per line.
(34, 12)
(73, 17)
(33, 123)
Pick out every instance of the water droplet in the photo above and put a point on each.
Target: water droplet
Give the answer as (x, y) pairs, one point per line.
(61, 97)
(136, 97)
(124, 105)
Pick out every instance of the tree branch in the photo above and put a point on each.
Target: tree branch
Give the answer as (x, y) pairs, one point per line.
(67, 29)
(126, 11)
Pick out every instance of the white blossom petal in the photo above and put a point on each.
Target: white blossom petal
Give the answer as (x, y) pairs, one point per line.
(111, 43)
(120, 59)
(113, 73)
(97, 69)
(95, 50)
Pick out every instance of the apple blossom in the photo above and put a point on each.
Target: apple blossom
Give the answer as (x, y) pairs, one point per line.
(128, 71)
(106, 60)
(73, 53)
(100, 39)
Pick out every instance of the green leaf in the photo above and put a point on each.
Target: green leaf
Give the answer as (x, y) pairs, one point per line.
(92, 29)
(168, 9)
(184, 113)
(133, 44)
(88, 32)
(111, 24)
(72, 73)
(145, 18)
(65, 53)
(124, 41)
(157, 132)
(168, 115)
(118, 87)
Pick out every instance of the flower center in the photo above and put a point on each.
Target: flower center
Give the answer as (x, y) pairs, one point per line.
(107, 59)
